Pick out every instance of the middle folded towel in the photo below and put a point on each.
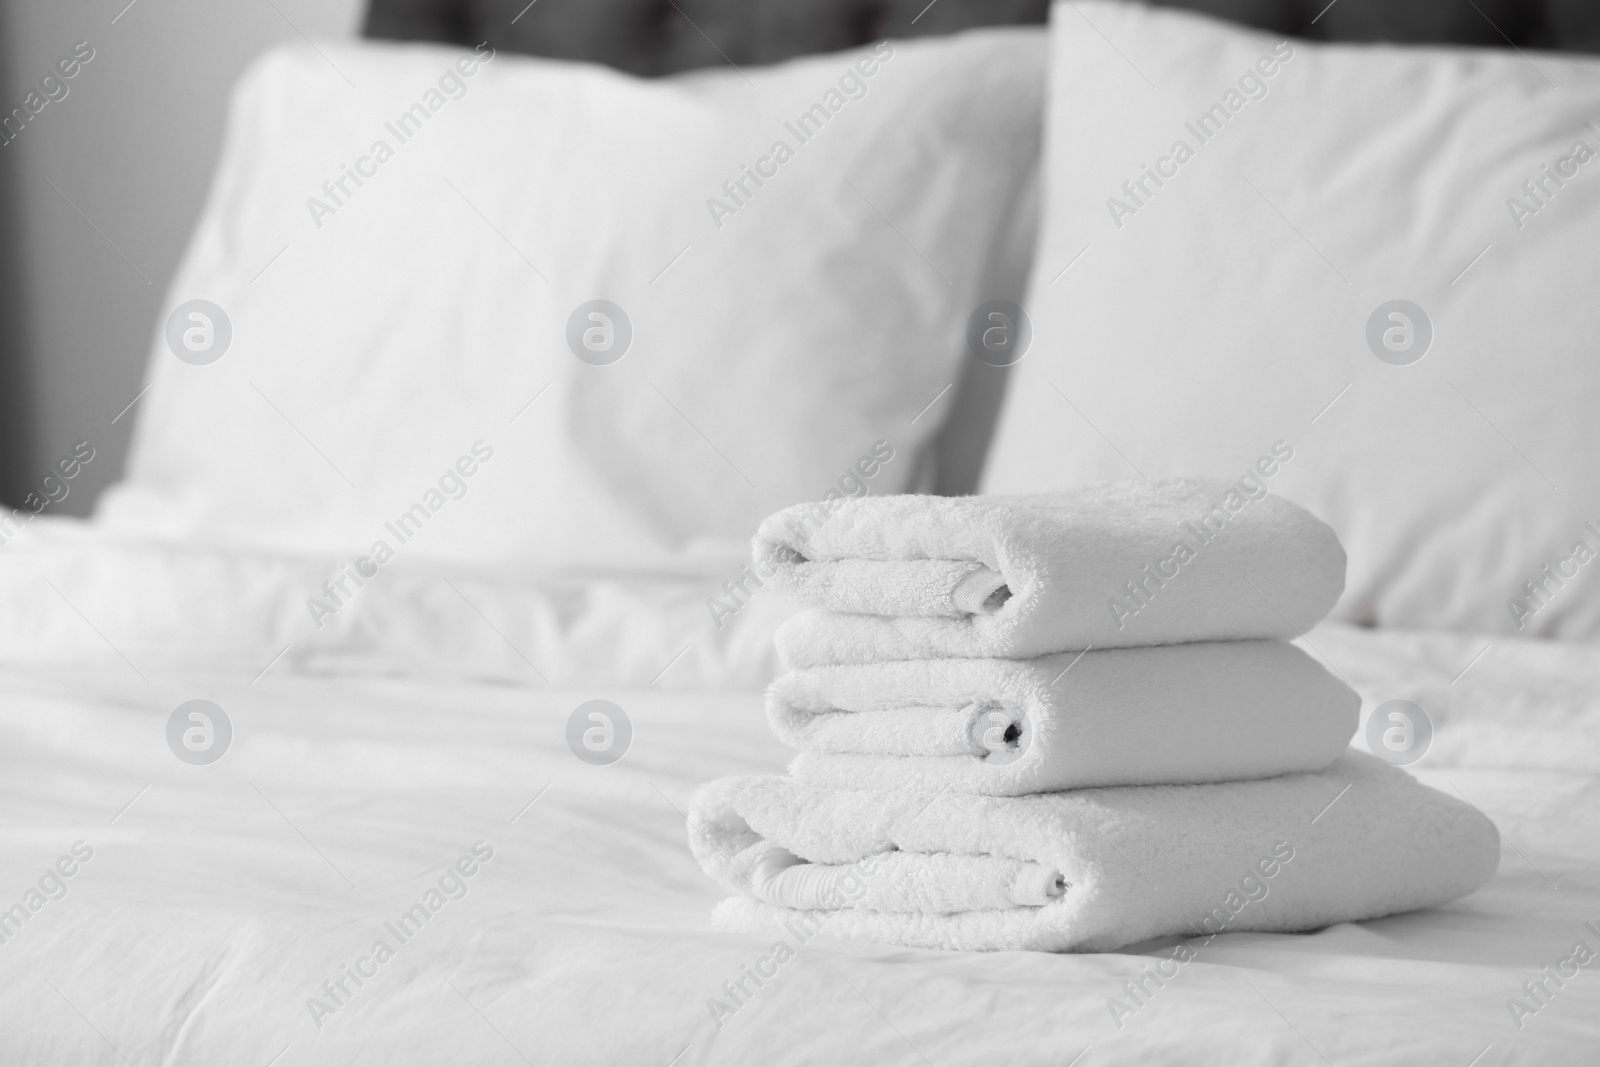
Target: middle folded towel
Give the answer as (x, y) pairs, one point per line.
(1171, 715)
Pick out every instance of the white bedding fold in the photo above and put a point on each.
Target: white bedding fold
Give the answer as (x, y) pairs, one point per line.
(1104, 566)
(1200, 712)
(1356, 841)
(176, 605)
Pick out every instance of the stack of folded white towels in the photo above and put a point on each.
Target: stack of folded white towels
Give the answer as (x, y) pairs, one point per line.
(1069, 722)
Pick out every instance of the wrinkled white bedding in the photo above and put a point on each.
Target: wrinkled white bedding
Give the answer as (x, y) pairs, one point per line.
(220, 898)
(82, 595)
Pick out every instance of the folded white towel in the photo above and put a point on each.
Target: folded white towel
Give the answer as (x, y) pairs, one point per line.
(1089, 869)
(936, 883)
(1200, 712)
(1104, 566)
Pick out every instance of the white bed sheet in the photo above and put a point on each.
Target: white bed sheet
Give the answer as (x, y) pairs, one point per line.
(220, 898)
(79, 595)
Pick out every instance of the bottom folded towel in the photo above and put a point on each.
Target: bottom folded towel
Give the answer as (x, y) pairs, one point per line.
(1088, 869)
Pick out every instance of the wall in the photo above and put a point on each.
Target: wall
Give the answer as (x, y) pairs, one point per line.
(100, 192)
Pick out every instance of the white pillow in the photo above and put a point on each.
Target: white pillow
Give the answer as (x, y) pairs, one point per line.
(1188, 327)
(390, 331)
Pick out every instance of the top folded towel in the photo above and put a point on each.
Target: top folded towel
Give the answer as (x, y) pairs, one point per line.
(1113, 565)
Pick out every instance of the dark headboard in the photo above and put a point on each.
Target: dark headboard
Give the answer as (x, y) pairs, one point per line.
(1570, 25)
(651, 37)
(655, 37)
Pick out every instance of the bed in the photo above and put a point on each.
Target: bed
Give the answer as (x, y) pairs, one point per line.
(418, 751)
(214, 907)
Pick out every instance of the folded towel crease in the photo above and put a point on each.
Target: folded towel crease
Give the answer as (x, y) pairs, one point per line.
(893, 881)
(1106, 566)
(1292, 853)
(1197, 712)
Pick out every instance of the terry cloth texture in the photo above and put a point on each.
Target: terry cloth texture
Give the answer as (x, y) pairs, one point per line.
(1200, 712)
(1297, 852)
(1104, 566)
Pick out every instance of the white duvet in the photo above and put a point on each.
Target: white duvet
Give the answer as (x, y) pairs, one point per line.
(536, 908)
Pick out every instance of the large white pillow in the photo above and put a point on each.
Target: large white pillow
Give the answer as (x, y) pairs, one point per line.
(410, 337)
(1191, 325)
